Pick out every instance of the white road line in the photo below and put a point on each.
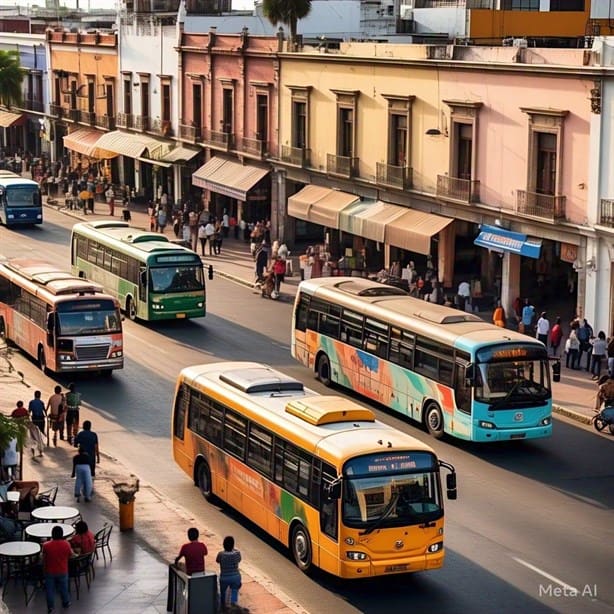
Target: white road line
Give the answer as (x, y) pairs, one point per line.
(141, 340)
(566, 586)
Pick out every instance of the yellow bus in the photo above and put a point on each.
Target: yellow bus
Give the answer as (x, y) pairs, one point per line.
(344, 492)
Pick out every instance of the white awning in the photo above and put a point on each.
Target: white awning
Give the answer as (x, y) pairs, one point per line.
(320, 205)
(414, 229)
(82, 141)
(228, 177)
(180, 154)
(132, 145)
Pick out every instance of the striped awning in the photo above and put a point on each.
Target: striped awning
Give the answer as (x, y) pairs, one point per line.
(320, 205)
(181, 154)
(370, 222)
(414, 229)
(8, 119)
(118, 143)
(228, 177)
(82, 141)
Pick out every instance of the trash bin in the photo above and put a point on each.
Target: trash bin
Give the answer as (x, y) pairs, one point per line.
(126, 516)
(125, 492)
(195, 594)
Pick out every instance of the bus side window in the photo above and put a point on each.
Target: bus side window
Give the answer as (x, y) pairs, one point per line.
(329, 509)
(181, 403)
(462, 392)
(302, 313)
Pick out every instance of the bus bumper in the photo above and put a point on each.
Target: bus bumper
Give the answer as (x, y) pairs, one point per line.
(99, 365)
(366, 569)
(536, 432)
(156, 316)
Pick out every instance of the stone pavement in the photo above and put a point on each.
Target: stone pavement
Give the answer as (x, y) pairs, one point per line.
(574, 395)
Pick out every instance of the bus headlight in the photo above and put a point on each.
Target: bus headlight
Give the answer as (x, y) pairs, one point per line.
(157, 306)
(116, 354)
(65, 357)
(199, 305)
(10, 216)
(486, 425)
(436, 547)
(356, 556)
(546, 421)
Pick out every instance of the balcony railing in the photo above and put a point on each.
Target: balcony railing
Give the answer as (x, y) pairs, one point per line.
(546, 206)
(255, 147)
(189, 133)
(72, 114)
(105, 121)
(344, 166)
(141, 122)
(33, 105)
(219, 140)
(465, 190)
(87, 117)
(56, 110)
(299, 156)
(394, 176)
(124, 120)
(161, 126)
(606, 212)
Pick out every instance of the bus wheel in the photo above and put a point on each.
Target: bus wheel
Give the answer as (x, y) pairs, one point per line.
(324, 370)
(433, 419)
(301, 548)
(203, 478)
(42, 362)
(131, 309)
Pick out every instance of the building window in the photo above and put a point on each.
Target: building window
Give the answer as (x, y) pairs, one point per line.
(91, 95)
(127, 96)
(464, 150)
(300, 117)
(109, 98)
(144, 99)
(227, 110)
(57, 91)
(567, 5)
(545, 182)
(73, 94)
(399, 122)
(346, 122)
(197, 104)
(166, 102)
(463, 142)
(521, 5)
(262, 117)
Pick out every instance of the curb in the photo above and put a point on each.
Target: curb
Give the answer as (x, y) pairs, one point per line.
(570, 413)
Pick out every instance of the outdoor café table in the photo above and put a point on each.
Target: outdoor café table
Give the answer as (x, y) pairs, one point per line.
(55, 513)
(42, 530)
(15, 559)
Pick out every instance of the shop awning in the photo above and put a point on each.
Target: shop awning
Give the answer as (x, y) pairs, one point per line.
(372, 223)
(228, 177)
(501, 240)
(348, 217)
(8, 119)
(414, 229)
(82, 141)
(320, 205)
(180, 154)
(118, 143)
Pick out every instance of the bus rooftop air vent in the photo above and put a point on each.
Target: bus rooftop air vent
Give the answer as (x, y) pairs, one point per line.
(145, 237)
(260, 379)
(447, 318)
(364, 287)
(328, 410)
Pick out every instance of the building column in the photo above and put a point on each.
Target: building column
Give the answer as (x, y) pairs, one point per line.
(510, 281)
(445, 256)
(278, 204)
(178, 188)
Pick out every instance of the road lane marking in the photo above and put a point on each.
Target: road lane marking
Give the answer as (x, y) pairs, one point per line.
(127, 333)
(541, 572)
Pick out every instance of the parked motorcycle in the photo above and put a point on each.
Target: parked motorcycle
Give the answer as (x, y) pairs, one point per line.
(603, 418)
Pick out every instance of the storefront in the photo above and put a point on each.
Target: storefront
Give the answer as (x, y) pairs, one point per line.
(11, 129)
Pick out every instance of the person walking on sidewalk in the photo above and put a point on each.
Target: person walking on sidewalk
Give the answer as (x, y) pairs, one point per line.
(210, 235)
(194, 553)
(230, 576)
(82, 472)
(528, 315)
(56, 408)
(598, 354)
(556, 336)
(36, 409)
(88, 441)
(56, 554)
(73, 402)
(572, 347)
(543, 328)
(585, 335)
(110, 196)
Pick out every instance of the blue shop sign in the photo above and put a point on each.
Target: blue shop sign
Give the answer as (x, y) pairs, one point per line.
(501, 240)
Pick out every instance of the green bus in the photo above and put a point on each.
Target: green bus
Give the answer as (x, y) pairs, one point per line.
(151, 277)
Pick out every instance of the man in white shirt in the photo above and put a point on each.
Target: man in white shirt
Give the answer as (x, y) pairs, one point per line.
(209, 232)
(543, 328)
(463, 294)
(225, 224)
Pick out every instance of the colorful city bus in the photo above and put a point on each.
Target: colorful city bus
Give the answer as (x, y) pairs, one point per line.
(20, 200)
(152, 278)
(344, 492)
(64, 322)
(446, 369)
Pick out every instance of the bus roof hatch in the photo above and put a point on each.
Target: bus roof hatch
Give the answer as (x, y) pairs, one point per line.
(260, 379)
(329, 409)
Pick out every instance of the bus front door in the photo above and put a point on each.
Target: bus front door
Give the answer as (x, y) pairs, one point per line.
(143, 285)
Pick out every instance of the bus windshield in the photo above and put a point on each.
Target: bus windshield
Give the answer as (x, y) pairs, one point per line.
(23, 196)
(384, 497)
(515, 383)
(75, 318)
(176, 279)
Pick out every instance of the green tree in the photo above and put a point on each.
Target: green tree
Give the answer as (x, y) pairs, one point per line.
(11, 77)
(12, 428)
(287, 12)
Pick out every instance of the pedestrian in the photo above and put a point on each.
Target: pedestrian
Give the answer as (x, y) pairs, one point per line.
(56, 408)
(279, 270)
(110, 196)
(202, 237)
(20, 411)
(82, 472)
(262, 258)
(73, 403)
(193, 225)
(230, 577)
(498, 315)
(527, 317)
(234, 226)
(88, 440)
(194, 553)
(611, 355)
(84, 541)
(153, 220)
(38, 414)
(217, 238)
(598, 354)
(556, 336)
(463, 294)
(572, 347)
(210, 233)
(543, 328)
(56, 554)
(161, 218)
(225, 224)
(585, 334)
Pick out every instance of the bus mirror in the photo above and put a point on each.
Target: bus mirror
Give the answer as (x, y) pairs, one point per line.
(333, 490)
(50, 323)
(143, 278)
(451, 485)
(210, 272)
(556, 371)
(470, 372)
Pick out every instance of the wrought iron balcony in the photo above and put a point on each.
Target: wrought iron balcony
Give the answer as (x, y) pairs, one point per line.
(394, 176)
(606, 212)
(343, 166)
(255, 147)
(87, 117)
(218, 140)
(454, 188)
(56, 110)
(124, 120)
(161, 126)
(546, 206)
(72, 114)
(299, 156)
(189, 132)
(31, 104)
(141, 122)
(105, 121)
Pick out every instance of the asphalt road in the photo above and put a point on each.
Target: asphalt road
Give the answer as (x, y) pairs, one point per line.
(532, 529)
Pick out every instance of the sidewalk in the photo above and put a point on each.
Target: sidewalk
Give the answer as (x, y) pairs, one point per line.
(574, 395)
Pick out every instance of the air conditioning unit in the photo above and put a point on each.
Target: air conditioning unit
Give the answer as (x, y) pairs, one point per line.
(520, 43)
(406, 12)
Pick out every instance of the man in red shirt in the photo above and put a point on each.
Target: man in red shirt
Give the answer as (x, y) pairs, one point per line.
(20, 411)
(56, 554)
(194, 553)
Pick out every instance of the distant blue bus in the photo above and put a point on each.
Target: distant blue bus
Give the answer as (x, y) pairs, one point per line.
(20, 200)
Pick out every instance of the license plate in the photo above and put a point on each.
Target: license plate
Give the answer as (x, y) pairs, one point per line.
(391, 568)
(180, 315)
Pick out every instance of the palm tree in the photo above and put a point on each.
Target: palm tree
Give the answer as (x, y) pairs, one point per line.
(11, 77)
(287, 12)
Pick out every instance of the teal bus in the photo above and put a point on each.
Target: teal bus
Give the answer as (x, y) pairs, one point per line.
(448, 370)
(20, 200)
(152, 278)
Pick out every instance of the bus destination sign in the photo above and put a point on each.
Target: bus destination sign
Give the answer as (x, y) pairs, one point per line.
(389, 463)
(174, 259)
